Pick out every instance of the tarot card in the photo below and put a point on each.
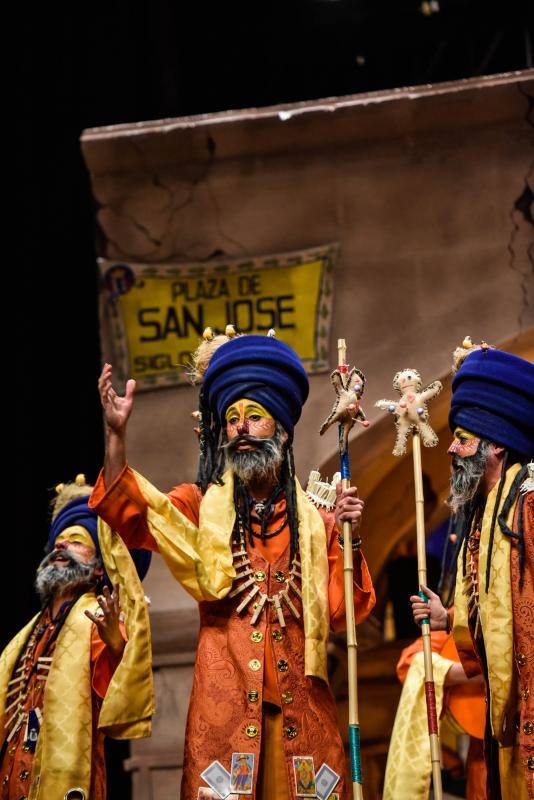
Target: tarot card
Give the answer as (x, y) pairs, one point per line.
(210, 794)
(304, 772)
(242, 773)
(334, 796)
(218, 778)
(325, 780)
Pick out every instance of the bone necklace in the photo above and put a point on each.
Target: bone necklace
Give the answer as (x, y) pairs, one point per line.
(246, 579)
(18, 686)
(470, 581)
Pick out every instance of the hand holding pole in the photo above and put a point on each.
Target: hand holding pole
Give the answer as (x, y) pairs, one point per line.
(411, 414)
(349, 386)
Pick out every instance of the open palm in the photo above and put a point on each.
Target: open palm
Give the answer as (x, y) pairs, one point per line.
(117, 409)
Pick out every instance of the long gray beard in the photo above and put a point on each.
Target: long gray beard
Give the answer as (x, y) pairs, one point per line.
(53, 579)
(466, 475)
(261, 463)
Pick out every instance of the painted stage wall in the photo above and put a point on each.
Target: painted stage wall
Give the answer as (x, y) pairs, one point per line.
(418, 187)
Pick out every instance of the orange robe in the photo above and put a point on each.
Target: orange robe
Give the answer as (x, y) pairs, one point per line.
(234, 673)
(17, 762)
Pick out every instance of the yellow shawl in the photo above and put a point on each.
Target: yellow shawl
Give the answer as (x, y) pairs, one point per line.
(409, 766)
(62, 759)
(128, 706)
(496, 616)
(201, 558)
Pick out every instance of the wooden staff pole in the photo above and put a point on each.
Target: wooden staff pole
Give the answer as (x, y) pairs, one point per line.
(433, 730)
(352, 645)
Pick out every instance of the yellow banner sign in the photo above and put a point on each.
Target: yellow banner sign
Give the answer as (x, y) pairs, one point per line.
(155, 314)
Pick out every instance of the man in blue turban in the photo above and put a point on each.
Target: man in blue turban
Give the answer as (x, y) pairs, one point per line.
(55, 673)
(263, 562)
(492, 499)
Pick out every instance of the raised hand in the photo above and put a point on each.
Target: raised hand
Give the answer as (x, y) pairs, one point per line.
(108, 621)
(117, 409)
(433, 608)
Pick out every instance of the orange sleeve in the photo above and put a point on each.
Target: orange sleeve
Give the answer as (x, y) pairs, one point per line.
(187, 497)
(465, 701)
(123, 507)
(437, 640)
(364, 593)
(406, 657)
(103, 662)
(468, 657)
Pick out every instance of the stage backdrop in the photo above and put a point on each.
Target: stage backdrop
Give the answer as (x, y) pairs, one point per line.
(154, 314)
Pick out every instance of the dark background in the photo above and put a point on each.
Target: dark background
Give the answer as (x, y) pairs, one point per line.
(104, 63)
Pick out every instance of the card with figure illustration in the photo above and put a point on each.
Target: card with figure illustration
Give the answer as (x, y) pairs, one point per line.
(304, 772)
(242, 773)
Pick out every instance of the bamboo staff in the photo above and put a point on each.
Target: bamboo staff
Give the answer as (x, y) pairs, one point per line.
(349, 388)
(411, 414)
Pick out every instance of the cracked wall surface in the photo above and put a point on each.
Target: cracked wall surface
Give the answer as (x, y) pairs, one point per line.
(431, 248)
(422, 197)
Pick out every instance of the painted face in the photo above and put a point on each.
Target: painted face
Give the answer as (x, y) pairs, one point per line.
(464, 443)
(249, 417)
(77, 540)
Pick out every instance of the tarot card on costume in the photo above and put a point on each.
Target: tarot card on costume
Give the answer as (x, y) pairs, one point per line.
(325, 780)
(218, 778)
(304, 772)
(210, 794)
(242, 773)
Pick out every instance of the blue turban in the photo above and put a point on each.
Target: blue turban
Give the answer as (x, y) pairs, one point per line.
(493, 397)
(260, 368)
(77, 512)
